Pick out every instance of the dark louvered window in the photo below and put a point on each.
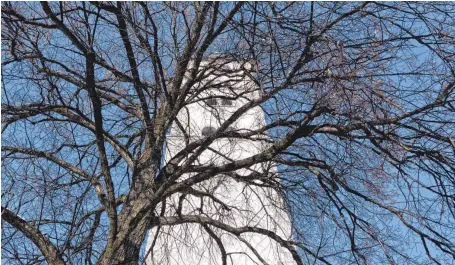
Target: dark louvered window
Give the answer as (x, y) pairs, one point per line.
(226, 102)
(211, 102)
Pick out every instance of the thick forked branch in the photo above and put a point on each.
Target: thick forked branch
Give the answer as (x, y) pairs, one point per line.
(138, 86)
(74, 39)
(168, 188)
(96, 103)
(49, 251)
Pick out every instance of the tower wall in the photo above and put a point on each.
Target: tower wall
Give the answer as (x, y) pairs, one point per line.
(238, 203)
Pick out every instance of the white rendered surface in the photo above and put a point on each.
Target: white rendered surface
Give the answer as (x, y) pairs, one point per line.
(249, 205)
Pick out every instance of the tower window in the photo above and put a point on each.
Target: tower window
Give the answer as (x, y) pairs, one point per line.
(208, 130)
(226, 102)
(211, 102)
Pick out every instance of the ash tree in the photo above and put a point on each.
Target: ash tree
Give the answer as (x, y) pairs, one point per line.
(358, 98)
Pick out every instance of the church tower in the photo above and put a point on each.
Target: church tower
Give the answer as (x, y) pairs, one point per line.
(230, 198)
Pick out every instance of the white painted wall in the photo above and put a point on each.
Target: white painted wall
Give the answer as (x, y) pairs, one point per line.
(250, 205)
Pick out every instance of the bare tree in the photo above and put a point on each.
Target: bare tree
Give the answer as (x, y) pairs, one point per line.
(358, 98)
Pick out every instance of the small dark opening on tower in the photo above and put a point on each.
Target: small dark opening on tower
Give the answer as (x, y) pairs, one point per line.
(208, 130)
(211, 102)
(226, 102)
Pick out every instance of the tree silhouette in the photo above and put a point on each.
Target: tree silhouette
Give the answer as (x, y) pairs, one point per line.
(358, 99)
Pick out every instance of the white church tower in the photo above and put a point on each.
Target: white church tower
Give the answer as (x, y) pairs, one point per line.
(226, 198)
